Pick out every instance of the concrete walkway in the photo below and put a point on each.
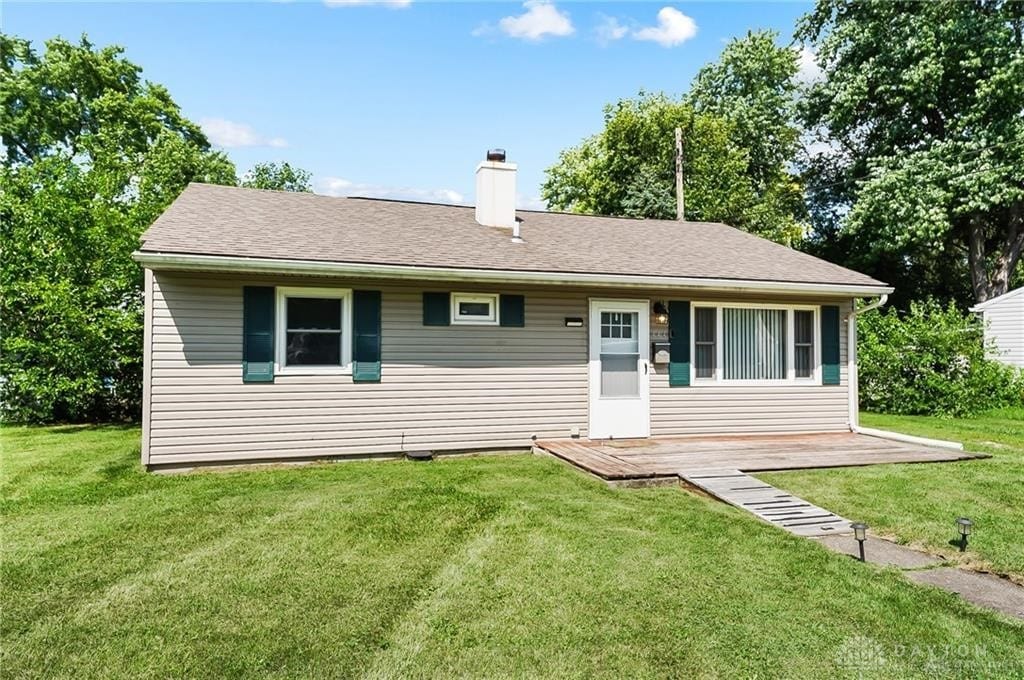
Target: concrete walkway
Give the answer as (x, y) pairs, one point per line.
(799, 517)
(984, 590)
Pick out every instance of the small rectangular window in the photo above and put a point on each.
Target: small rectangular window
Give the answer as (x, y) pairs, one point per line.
(474, 309)
(803, 343)
(705, 321)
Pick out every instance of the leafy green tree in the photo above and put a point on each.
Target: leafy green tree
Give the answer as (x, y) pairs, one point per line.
(930, 360)
(93, 154)
(279, 177)
(753, 86)
(921, 108)
(629, 167)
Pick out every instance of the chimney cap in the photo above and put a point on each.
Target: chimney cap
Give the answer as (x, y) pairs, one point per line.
(496, 155)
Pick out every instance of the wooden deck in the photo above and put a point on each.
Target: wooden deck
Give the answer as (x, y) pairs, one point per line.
(667, 457)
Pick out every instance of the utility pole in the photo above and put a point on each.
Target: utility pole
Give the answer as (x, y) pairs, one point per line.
(680, 197)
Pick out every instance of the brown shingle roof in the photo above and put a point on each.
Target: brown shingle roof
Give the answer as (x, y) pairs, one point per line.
(216, 220)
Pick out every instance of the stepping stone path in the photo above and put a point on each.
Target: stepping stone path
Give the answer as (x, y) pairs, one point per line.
(774, 506)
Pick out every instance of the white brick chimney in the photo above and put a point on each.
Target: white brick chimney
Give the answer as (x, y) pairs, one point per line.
(496, 191)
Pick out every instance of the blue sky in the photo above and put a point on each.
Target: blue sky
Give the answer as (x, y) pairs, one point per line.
(402, 99)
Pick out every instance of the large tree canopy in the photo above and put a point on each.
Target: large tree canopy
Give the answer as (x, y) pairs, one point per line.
(753, 86)
(922, 110)
(740, 139)
(93, 155)
(629, 167)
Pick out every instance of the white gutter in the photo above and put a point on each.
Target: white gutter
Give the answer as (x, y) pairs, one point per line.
(851, 358)
(254, 265)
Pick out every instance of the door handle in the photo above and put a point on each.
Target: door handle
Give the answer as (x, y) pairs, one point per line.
(645, 368)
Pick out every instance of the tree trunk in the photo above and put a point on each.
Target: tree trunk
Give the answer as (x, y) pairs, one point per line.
(989, 284)
(976, 260)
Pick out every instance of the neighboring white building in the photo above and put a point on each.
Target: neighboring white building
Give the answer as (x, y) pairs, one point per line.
(1004, 326)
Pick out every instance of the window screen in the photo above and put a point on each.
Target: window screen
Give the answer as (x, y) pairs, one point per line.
(620, 353)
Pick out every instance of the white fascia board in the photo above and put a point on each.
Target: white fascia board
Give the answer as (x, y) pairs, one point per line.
(253, 265)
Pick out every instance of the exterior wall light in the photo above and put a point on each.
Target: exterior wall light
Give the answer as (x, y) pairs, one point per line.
(964, 526)
(660, 312)
(860, 532)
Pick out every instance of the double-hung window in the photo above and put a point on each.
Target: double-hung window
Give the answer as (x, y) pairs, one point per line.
(314, 330)
(752, 344)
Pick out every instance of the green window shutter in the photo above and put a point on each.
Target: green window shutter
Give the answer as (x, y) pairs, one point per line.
(257, 334)
(366, 336)
(830, 345)
(437, 309)
(679, 343)
(512, 310)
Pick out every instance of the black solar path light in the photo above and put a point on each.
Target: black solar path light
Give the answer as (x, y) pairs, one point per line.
(860, 532)
(963, 525)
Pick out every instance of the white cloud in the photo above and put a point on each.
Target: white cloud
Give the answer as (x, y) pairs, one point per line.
(674, 28)
(228, 134)
(337, 186)
(808, 71)
(393, 4)
(541, 19)
(609, 30)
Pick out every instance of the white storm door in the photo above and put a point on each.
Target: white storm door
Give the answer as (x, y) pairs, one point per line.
(619, 366)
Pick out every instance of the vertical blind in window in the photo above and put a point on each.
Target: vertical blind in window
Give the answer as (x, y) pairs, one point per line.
(754, 344)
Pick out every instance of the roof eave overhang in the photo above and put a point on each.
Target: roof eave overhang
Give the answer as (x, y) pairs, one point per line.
(253, 265)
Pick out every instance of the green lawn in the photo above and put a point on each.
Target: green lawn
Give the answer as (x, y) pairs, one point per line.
(498, 566)
(917, 504)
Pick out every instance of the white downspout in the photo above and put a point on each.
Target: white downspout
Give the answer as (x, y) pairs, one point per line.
(851, 358)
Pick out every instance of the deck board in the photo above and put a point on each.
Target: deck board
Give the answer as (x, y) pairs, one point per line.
(668, 456)
(772, 505)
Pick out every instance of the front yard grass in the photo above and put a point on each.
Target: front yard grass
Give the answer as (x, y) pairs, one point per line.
(489, 566)
(918, 504)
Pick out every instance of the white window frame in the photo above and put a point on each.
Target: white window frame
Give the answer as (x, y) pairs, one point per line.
(281, 330)
(492, 319)
(719, 376)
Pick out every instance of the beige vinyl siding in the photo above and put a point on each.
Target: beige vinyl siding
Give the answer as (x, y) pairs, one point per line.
(453, 387)
(1004, 330)
(442, 388)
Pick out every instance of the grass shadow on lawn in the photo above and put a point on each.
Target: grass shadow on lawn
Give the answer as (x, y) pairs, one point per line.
(512, 565)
